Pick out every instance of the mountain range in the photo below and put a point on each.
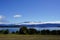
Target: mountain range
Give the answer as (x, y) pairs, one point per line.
(32, 24)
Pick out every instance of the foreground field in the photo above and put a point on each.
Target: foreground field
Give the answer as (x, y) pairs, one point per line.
(29, 37)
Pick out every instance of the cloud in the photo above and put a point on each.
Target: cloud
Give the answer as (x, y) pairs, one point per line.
(17, 16)
(2, 17)
(53, 22)
(3, 20)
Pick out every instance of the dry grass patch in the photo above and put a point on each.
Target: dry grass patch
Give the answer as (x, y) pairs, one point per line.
(29, 37)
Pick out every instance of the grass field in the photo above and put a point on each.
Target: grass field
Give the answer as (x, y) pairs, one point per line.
(29, 37)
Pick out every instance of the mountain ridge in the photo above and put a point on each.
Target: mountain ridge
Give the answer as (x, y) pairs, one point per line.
(32, 25)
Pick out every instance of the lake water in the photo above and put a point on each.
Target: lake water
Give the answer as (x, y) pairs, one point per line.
(38, 28)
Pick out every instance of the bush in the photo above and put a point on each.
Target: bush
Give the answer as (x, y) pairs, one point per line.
(6, 31)
(13, 32)
(45, 32)
(17, 32)
(32, 31)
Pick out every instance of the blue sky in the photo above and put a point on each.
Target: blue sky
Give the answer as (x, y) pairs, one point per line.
(16, 11)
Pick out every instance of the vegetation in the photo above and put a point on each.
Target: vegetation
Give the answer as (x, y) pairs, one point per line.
(30, 34)
(6, 31)
(25, 30)
(31, 31)
(13, 32)
(29, 37)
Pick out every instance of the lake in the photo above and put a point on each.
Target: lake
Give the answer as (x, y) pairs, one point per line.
(38, 28)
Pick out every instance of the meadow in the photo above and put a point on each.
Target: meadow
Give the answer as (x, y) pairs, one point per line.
(28, 37)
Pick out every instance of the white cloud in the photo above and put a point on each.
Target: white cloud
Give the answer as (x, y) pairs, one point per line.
(2, 17)
(3, 20)
(53, 22)
(17, 16)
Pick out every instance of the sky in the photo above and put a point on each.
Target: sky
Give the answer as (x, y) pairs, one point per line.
(17, 11)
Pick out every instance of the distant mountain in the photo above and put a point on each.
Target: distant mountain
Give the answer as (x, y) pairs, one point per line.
(32, 24)
(43, 25)
(9, 25)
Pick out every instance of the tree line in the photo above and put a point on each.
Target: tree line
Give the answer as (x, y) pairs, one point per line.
(24, 30)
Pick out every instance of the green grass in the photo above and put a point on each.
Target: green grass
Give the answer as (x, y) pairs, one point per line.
(28, 37)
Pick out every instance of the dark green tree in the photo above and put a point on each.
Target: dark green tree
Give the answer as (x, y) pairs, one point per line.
(47, 32)
(54, 32)
(58, 32)
(1, 31)
(6, 31)
(43, 32)
(17, 32)
(23, 30)
(13, 32)
(32, 31)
